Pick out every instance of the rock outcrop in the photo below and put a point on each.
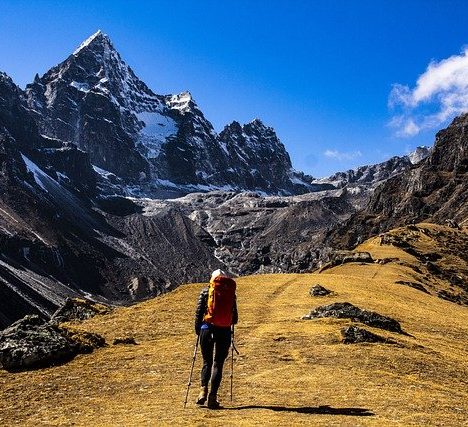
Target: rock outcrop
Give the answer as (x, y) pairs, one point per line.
(319, 291)
(32, 342)
(76, 309)
(354, 334)
(346, 310)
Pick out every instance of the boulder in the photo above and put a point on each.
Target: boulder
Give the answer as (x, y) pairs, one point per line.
(343, 257)
(346, 310)
(32, 342)
(319, 291)
(78, 309)
(354, 334)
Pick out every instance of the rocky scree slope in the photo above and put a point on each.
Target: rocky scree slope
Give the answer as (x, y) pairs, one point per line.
(57, 242)
(252, 234)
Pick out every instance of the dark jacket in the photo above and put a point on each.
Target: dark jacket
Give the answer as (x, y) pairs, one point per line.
(202, 306)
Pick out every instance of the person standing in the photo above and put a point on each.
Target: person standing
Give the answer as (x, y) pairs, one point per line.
(215, 315)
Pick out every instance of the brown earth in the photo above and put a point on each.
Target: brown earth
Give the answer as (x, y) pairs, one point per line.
(289, 372)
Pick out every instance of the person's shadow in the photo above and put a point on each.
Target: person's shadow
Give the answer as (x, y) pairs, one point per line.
(321, 410)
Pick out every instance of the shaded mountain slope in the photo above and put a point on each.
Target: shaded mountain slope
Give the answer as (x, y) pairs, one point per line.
(435, 190)
(151, 142)
(289, 372)
(253, 234)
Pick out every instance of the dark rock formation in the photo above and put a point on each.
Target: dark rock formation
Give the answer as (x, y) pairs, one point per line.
(354, 334)
(345, 310)
(457, 298)
(32, 342)
(343, 257)
(125, 340)
(63, 161)
(319, 291)
(413, 285)
(434, 190)
(76, 309)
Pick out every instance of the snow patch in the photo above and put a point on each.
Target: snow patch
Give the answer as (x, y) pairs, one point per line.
(180, 102)
(156, 130)
(82, 87)
(88, 41)
(39, 175)
(105, 174)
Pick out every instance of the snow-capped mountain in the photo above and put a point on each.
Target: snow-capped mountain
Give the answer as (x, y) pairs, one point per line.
(372, 175)
(94, 100)
(419, 154)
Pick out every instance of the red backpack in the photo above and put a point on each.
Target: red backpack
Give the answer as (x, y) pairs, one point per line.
(221, 299)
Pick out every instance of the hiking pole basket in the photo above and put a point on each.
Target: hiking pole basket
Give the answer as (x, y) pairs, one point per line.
(191, 370)
(233, 349)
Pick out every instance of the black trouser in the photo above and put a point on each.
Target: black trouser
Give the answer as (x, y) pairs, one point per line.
(219, 340)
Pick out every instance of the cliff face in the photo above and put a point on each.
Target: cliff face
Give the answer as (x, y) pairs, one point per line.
(434, 190)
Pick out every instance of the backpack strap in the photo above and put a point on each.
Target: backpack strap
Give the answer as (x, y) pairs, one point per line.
(200, 311)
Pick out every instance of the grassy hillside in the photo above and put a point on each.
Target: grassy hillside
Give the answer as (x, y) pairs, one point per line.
(290, 371)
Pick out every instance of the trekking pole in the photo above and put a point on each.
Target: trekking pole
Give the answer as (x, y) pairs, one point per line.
(233, 348)
(191, 370)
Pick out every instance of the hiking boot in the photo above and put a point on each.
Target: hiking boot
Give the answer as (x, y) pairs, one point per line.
(201, 399)
(212, 402)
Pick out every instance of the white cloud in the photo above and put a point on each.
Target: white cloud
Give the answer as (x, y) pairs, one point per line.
(341, 156)
(442, 88)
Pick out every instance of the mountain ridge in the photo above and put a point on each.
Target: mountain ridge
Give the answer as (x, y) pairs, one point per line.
(165, 140)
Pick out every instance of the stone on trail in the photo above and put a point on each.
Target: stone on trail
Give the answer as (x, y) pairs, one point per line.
(319, 291)
(354, 334)
(346, 310)
(125, 340)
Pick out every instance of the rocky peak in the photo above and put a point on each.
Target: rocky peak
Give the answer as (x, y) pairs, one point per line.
(419, 154)
(94, 100)
(96, 66)
(98, 39)
(257, 124)
(6, 83)
(183, 102)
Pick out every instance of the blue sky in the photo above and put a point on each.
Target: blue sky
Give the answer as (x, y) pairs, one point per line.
(319, 72)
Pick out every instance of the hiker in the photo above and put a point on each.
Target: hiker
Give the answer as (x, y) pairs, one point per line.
(216, 313)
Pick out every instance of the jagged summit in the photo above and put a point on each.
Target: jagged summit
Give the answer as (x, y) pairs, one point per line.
(94, 100)
(419, 154)
(182, 102)
(257, 122)
(97, 38)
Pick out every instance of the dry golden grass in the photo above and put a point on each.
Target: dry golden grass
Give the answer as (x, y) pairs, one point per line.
(290, 371)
